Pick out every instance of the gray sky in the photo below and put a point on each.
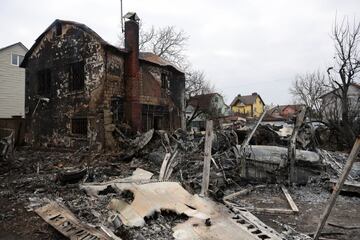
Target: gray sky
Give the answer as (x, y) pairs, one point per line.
(242, 46)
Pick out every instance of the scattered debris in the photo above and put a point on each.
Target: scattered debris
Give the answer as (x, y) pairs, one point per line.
(293, 210)
(7, 143)
(65, 222)
(159, 200)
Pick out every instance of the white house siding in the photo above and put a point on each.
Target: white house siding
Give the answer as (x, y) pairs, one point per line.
(12, 83)
(333, 104)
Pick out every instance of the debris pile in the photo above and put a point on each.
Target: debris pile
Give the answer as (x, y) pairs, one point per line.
(7, 143)
(149, 189)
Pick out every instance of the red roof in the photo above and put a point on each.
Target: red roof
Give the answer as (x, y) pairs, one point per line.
(202, 102)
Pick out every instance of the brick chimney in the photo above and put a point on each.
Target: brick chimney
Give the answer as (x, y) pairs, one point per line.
(132, 72)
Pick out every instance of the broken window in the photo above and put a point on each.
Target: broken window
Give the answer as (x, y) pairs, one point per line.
(79, 126)
(76, 76)
(44, 82)
(164, 81)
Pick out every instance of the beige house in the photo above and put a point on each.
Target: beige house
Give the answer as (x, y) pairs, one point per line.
(12, 81)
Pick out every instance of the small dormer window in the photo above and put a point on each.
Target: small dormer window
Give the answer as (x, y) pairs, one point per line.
(58, 29)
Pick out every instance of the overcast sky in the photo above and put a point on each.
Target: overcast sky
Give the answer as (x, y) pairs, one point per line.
(243, 46)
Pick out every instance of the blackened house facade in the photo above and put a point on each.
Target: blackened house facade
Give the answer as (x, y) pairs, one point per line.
(78, 87)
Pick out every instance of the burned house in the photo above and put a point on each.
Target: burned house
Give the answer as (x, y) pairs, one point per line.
(79, 87)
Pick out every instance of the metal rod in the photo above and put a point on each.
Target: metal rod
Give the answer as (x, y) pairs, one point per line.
(121, 17)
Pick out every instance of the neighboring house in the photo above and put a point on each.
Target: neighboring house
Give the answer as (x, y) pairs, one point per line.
(12, 81)
(332, 103)
(201, 107)
(79, 87)
(250, 105)
(283, 112)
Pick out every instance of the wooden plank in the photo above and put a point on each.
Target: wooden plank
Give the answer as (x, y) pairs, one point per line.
(292, 145)
(349, 186)
(170, 166)
(164, 166)
(207, 157)
(344, 226)
(66, 223)
(273, 210)
(248, 138)
(351, 159)
(289, 199)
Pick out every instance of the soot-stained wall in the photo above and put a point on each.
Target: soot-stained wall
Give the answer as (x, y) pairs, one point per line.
(49, 123)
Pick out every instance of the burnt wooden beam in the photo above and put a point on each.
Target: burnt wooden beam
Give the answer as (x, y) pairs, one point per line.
(292, 145)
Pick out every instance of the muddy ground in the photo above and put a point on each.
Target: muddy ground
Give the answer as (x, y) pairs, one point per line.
(34, 174)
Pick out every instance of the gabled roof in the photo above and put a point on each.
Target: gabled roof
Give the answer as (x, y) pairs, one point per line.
(79, 25)
(144, 56)
(18, 43)
(202, 102)
(280, 108)
(246, 99)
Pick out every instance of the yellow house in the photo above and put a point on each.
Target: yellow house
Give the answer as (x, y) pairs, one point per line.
(250, 105)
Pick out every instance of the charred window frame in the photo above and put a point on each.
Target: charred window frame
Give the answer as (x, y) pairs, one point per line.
(164, 81)
(76, 76)
(117, 108)
(44, 82)
(79, 126)
(58, 29)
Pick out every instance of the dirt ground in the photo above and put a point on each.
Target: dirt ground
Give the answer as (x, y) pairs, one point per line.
(20, 181)
(311, 201)
(34, 174)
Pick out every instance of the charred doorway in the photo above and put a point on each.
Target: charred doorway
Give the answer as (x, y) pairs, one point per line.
(155, 116)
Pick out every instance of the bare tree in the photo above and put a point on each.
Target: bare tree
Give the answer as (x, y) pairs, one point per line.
(307, 89)
(346, 37)
(167, 42)
(196, 83)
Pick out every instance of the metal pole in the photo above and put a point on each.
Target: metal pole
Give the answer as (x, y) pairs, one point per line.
(121, 17)
(351, 159)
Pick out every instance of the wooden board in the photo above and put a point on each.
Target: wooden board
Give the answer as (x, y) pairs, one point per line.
(66, 223)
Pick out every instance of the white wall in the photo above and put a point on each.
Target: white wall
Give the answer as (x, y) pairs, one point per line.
(12, 84)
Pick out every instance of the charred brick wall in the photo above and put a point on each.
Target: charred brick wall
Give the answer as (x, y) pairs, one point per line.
(50, 123)
(161, 103)
(114, 94)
